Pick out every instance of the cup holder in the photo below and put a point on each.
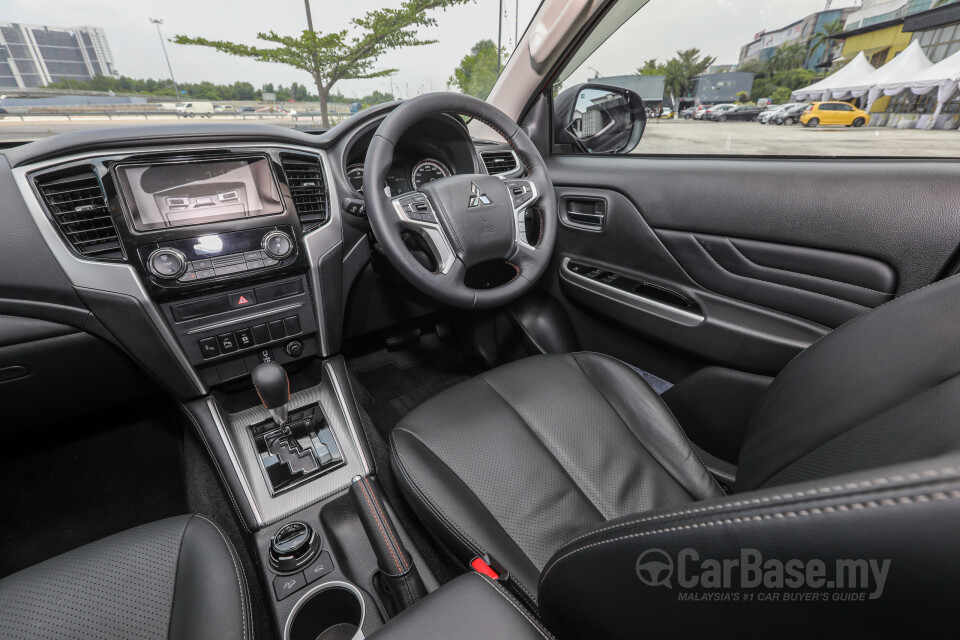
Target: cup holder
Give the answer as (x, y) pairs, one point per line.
(330, 611)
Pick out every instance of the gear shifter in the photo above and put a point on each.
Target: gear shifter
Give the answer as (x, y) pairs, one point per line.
(297, 443)
(272, 385)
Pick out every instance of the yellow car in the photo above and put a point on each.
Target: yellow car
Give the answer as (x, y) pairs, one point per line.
(836, 113)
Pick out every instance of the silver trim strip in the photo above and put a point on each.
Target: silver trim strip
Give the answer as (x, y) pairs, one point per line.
(430, 231)
(234, 461)
(252, 316)
(318, 243)
(323, 587)
(666, 309)
(346, 414)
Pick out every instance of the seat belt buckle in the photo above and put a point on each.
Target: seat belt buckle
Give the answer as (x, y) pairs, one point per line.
(489, 567)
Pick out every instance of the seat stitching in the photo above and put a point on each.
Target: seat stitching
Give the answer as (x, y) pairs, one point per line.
(363, 490)
(386, 521)
(240, 582)
(506, 596)
(548, 450)
(767, 282)
(173, 599)
(805, 275)
(869, 504)
(441, 515)
(665, 406)
(885, 482)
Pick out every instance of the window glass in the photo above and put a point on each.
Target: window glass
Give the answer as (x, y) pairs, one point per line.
(684, 59)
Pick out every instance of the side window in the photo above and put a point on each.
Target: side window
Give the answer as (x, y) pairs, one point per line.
(690, 63)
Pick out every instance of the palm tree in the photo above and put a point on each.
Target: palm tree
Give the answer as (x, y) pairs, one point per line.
(650, 68)
(824, 37)
(786, 57)
(675, 81)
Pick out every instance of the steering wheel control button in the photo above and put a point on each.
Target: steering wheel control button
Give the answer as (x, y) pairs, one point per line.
(277, 245)
(283, 586)
(320, 567)
(209, 347)
(354, 207)
(242, 299)
(167, 263)
(292, 547)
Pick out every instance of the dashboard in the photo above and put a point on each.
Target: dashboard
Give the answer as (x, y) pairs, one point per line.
(203, 250)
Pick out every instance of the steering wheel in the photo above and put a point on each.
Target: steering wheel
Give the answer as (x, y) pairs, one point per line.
(466, 220)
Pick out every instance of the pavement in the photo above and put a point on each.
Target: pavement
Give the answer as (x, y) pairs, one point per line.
(670, 137)
(696, 137)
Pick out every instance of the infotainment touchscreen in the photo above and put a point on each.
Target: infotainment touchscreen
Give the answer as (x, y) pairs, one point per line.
(180, 194)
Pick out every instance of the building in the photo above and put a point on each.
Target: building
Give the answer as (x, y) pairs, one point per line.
(874, 12)
(33, 56)
(938, 31)
(650, 88)
(766, 43)
(714, 88)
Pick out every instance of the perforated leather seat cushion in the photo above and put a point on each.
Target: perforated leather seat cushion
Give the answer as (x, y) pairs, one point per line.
(175, 578)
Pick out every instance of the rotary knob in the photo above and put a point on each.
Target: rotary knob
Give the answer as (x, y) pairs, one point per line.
(277, 244)
(293, 546)
(167, 263)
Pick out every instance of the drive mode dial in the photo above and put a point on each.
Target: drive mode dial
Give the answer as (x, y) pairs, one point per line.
(277, 244)
(167, 263)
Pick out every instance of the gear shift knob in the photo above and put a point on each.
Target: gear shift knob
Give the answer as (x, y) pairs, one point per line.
(273, 387)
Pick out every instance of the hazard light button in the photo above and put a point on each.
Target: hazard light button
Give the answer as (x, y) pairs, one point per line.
(242, 299)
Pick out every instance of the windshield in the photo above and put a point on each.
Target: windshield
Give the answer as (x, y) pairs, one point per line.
(68, 66)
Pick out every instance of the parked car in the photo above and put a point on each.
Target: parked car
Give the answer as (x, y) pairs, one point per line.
(688, 113)
(745, 112)
(716, 110)
(790, 115)
(834, 113)
(666, 113)
(769, 112)
(222, 108)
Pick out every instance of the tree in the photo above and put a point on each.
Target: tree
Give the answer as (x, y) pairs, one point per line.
(742, 97)
(650, 68)
(347, 54)
(781, 95)
(478, 70)
(787, 56)
(824, 38)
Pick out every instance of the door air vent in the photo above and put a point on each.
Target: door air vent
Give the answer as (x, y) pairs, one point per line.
(308, 188)
(498, 162)
(78, 206)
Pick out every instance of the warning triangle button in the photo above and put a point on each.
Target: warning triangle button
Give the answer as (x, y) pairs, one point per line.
(241, 299)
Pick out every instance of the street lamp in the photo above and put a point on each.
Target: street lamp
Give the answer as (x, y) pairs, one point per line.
(166, 57)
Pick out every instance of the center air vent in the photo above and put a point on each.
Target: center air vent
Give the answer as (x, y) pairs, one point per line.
(309, 191)
(499, 161)
(79, 208)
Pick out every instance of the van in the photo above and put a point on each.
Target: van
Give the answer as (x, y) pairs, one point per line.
(191, 109)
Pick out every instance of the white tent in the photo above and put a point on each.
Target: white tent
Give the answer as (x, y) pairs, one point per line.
(851, 73)
(943, 76)
(896, 74)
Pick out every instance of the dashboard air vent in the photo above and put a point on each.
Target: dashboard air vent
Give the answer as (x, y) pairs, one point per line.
(78, 206)
(307, 186)
(499, 161)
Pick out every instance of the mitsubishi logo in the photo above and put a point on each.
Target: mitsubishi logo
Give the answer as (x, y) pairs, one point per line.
(477, 198)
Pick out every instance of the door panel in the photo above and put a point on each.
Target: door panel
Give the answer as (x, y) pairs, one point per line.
(788, 280)
(769, 256)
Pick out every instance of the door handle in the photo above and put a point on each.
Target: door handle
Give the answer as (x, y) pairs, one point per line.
(588, 213)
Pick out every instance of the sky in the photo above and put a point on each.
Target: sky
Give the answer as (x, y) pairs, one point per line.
(717, 27)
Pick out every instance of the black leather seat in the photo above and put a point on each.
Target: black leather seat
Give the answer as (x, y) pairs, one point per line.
(530, 462)
(177, 578)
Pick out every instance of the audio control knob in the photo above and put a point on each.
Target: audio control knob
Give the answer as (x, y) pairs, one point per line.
(277, 244)
(167, 263)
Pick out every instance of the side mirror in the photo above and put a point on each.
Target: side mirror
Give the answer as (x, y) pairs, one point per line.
(599, 119)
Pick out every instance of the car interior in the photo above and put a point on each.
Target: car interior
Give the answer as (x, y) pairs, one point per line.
(457, 368)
